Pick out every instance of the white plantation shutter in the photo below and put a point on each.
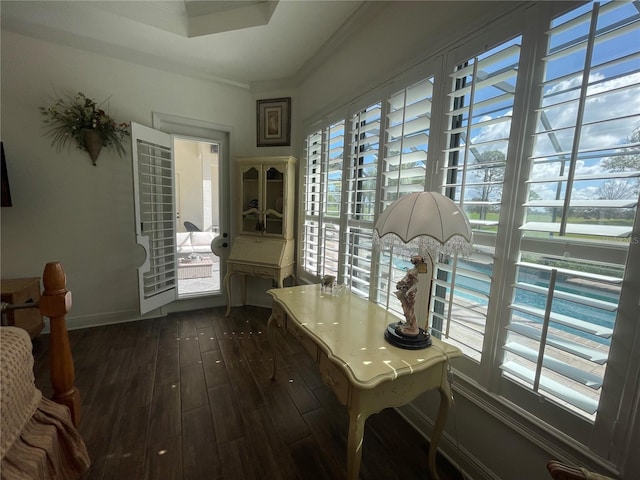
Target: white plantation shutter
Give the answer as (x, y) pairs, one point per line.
(407, 141)
(311, 235)
(584, 119)
(406, 145)
(559, 335)
(323, 200)
(153, 175)
(583, 193)
(361, 193)
(313, 175)
(481, 104)
(363, 164)
(334, 170)
(459, 310)
(482, 97)
(335, 135)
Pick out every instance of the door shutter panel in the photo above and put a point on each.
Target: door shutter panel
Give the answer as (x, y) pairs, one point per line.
(153, 182)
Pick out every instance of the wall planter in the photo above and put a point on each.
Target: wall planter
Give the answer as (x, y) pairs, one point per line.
(80, 119)
(92, 143)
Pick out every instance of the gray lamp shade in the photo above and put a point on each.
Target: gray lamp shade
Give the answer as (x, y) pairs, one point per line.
(426, 222)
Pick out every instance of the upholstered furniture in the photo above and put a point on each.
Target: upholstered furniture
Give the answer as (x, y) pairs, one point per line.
(194, 243)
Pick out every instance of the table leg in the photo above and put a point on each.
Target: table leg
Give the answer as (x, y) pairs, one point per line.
(227, 287)
(354, 443)
(272, 323)
(443, 409)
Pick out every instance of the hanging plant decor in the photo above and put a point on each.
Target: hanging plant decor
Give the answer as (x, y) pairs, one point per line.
(80, 119)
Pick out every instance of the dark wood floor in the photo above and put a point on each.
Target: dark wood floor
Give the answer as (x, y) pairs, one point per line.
(189, 396)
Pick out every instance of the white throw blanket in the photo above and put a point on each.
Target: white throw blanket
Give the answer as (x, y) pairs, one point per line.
(39, 440)
(19, 396)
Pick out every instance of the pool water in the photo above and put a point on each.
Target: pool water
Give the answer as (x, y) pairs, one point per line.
(561, 306)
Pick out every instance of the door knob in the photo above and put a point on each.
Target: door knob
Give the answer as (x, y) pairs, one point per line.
(219, 243)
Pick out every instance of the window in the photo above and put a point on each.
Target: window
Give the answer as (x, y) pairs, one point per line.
(546, 165)
(481, 100)
(580, 206)
(323, 200)
(360, 202)
(404, 171)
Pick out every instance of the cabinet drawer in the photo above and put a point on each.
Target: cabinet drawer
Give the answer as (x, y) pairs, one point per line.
(238, 267)
(334, 378)
(263, 271)
(304, 340)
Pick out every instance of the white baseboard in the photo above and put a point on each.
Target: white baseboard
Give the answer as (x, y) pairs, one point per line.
(125, 316)
(88, 321)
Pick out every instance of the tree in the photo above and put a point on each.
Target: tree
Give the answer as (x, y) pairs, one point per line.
(615, 190)
(629, 161)
(490, 177)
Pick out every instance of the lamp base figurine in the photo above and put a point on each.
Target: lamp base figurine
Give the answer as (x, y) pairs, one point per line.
(408, 334)
(397, 339)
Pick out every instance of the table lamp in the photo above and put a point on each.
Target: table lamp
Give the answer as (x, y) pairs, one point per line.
(427, 224)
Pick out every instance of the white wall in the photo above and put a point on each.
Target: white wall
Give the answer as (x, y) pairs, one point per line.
(64, 208)
(191, 159)
(398, 37)
(188, 168)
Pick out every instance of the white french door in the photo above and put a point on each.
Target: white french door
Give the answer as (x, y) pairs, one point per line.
(155, 189)
(153, 181)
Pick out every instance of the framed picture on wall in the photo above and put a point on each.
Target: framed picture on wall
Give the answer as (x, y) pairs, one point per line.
(274, 122)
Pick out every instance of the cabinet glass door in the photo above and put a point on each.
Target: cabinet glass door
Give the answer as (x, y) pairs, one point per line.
(251, 208)
(273, 201)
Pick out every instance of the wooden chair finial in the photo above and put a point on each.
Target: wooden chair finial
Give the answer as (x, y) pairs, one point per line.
(55, 302)
(54, 278)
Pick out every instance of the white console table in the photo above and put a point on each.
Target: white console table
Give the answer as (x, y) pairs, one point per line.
(345, 336)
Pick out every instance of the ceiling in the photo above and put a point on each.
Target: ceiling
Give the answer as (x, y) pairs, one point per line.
(240, 42)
